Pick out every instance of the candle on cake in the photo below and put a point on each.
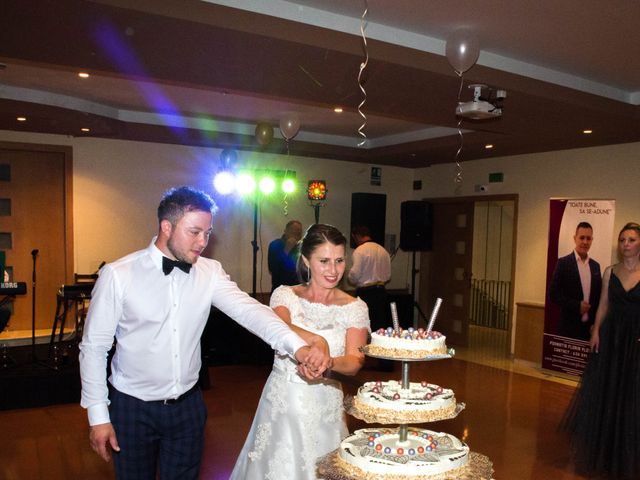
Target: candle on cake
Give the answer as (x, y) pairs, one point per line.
(434, 314)
(394, 317)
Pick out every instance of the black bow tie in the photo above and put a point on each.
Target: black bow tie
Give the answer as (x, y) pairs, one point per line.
(168, 265)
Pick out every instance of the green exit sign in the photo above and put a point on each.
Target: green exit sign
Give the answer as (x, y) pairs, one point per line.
(496, 177)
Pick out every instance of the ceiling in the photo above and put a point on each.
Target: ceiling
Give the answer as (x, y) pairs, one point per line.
(206, 73)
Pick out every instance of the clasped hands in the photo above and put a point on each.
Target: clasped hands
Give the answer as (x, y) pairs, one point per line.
(314, 359)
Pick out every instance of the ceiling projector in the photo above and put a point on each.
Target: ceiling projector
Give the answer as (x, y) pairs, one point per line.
(481, 108)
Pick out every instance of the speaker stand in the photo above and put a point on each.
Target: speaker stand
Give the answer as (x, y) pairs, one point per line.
(414, 272)
(254, 246)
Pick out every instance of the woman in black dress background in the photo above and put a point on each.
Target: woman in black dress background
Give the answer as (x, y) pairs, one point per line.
(604, 416)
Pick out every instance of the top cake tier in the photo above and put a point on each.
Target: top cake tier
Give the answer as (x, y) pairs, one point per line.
(406, 344)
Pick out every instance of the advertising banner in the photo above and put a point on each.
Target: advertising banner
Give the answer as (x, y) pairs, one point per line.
(579, 249)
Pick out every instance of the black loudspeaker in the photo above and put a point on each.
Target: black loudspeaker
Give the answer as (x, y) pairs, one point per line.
(416, 226)
(369, 209)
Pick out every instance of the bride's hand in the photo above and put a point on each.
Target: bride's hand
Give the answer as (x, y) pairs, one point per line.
(309, 372)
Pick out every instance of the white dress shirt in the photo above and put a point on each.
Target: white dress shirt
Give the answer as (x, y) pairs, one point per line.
(371, 265)
(157, 321)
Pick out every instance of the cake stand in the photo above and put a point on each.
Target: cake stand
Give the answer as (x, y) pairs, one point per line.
(332, 467)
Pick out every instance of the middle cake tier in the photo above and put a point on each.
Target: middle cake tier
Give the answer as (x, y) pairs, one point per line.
(387, 402)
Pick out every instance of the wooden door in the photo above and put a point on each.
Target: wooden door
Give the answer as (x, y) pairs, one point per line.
(445, 272)
(35, 189)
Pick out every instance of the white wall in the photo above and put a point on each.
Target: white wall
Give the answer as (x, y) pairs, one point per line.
(600, 172)
(117, 186)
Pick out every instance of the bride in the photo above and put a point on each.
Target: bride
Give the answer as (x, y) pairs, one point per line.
(298, 420)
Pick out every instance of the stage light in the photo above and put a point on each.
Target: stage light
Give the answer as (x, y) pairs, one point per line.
(317, 190)
(245, 184)
(267, 185)
(288, 185)
(224, 183)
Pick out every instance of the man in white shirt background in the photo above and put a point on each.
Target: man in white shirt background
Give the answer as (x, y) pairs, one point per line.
(156, 302)
(370, 271)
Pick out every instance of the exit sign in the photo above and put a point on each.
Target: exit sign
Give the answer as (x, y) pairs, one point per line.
(496, 177)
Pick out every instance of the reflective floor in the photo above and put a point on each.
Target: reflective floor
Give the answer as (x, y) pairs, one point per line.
(511, 416)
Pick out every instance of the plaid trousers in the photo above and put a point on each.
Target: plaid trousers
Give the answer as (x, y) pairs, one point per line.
(155, 437)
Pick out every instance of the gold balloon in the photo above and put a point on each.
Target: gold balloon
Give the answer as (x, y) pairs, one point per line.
(264, 133)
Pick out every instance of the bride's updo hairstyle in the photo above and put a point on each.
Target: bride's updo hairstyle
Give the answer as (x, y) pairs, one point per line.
(315, 236)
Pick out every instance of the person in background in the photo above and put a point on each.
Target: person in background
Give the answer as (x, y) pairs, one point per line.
(298, 420)
(283, 256)
(370, 271)
(603, 418)
(575, 287)
(156, 302)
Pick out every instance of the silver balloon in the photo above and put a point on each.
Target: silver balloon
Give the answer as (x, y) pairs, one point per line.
(228, 158)
(289, 126)
(462, 50)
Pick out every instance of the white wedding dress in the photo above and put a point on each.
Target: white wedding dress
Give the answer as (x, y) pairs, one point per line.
(298, 421)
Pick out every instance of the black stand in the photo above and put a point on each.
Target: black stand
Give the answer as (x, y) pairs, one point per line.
(414, 272)
(5, 359)
(34, 254)
(34, 357)
(254, 246)
(316, 209)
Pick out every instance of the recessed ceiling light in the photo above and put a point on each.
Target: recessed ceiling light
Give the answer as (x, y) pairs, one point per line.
(587, 132)
(83, 75)
(21, 119)
(488, 146)
(85, 129)
(338, 109)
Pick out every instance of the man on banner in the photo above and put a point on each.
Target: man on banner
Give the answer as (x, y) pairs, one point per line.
(575, 287)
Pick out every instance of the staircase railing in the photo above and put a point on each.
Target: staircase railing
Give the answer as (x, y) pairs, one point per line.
(490, 303)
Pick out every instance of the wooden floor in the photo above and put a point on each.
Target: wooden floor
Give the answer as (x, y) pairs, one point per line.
(510, 417)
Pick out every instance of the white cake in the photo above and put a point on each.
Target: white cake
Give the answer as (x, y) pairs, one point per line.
(388, 402)
(410, 343)
(377, 453)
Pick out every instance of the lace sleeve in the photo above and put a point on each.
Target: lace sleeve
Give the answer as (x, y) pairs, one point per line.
(358, 315)
(281, 297)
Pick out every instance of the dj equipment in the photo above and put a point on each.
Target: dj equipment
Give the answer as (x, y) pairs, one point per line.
(72, 296)
(76, 291)
(13, 288)
(9, 290)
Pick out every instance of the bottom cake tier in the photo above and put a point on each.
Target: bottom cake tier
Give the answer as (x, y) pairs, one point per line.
(378, 454)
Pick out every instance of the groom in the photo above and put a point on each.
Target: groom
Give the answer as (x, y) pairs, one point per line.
(155, 302)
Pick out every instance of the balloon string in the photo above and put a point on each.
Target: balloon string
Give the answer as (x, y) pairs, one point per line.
(363, 65)
(458, 176)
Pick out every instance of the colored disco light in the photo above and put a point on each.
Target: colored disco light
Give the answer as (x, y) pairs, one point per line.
(267, 185)
(317, 190)
(288, 185)
(224, 183)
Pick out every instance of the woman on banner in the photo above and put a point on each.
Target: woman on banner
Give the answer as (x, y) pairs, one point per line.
(604, 416)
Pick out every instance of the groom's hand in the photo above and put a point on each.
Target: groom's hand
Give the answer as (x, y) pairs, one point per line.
(314, 359)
